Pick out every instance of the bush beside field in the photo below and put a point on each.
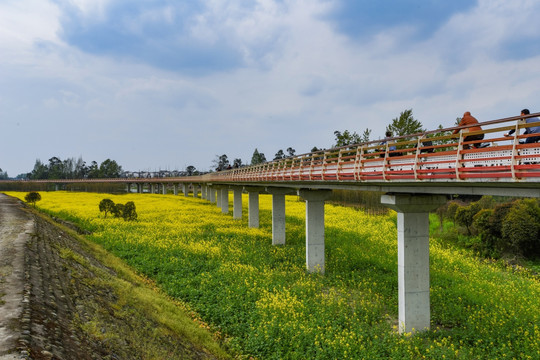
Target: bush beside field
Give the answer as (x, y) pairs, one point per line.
(260, 300)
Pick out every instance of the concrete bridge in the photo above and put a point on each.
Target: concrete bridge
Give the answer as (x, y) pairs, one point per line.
(416, 173)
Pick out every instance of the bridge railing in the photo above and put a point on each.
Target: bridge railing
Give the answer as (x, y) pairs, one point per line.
(437, 155)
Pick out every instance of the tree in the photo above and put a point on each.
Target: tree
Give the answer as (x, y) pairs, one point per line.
(346, 138)
(237, 163)
(190, 170)
(3, 175)
(56, 168)
(405, 124)
(106, 206)
(221, 162)
(521, 226)
(129, 213)
(290, 151)
(40, 171)
(110, 169)
(279, 155)
(365, 135)
(465, 215)
(32, 198)
(257, 158)
(118, 210)
(93, 170)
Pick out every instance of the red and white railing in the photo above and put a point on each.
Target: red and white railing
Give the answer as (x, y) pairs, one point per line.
(435, 155)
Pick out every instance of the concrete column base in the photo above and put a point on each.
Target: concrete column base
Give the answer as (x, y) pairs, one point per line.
(413, 257)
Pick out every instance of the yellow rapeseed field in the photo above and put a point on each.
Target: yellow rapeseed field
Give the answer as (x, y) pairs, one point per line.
(262, 302)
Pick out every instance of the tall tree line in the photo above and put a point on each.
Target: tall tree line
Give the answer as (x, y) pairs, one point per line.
(72, 168)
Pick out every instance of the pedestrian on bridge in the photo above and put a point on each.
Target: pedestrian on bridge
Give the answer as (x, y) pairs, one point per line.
(468, 119)
(529, 130)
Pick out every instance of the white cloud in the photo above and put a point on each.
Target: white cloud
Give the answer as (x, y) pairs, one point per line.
(300, 81)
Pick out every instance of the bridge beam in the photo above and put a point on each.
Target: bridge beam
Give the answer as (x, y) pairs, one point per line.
(278, 213)
(253, 205)
(237, 201)
(413, 257)
(315, 260)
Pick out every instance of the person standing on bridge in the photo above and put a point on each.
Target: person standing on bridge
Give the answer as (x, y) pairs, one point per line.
(530, 130)
(468, 119)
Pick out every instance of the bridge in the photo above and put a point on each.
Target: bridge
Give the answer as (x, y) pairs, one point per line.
(416, 173)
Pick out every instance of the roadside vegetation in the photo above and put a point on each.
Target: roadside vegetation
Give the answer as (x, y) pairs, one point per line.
(259, 300)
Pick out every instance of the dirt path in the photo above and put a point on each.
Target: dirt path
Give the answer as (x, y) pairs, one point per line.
(56, 301)
(16, 228)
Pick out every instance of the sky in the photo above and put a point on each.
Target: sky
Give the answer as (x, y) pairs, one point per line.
(164, 84)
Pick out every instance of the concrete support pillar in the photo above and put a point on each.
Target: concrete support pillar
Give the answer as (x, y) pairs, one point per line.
(164, 188)
(128, 188)
(195, 190)
(56, 187)
(211, 192)
(152, 189)
(204, 191)
(413, 257)
(224, 200)
(278, 214)
(185, 189)
(237, 201)
(253, 205)
(175, 189)
(315, 260)
(218, 197)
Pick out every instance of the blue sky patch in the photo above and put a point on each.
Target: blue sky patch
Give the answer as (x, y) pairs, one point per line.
(360, 19)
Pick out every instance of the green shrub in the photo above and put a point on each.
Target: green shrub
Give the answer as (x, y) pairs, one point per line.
(118, 210)
(465, 215)
(32, 198)
(106, 206)
(129, 212)
(521, 227)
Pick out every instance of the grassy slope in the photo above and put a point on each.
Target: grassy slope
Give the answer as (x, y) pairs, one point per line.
(260, 297)
(153, 325)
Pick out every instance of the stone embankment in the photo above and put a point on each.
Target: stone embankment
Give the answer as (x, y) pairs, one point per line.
(53, 305)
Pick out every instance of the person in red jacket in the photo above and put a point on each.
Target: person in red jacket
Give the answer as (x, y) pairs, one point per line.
(468, 119)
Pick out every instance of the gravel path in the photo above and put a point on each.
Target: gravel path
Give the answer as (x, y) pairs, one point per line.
(16, 228)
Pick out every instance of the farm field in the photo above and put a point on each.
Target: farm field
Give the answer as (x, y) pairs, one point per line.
(260, 300)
